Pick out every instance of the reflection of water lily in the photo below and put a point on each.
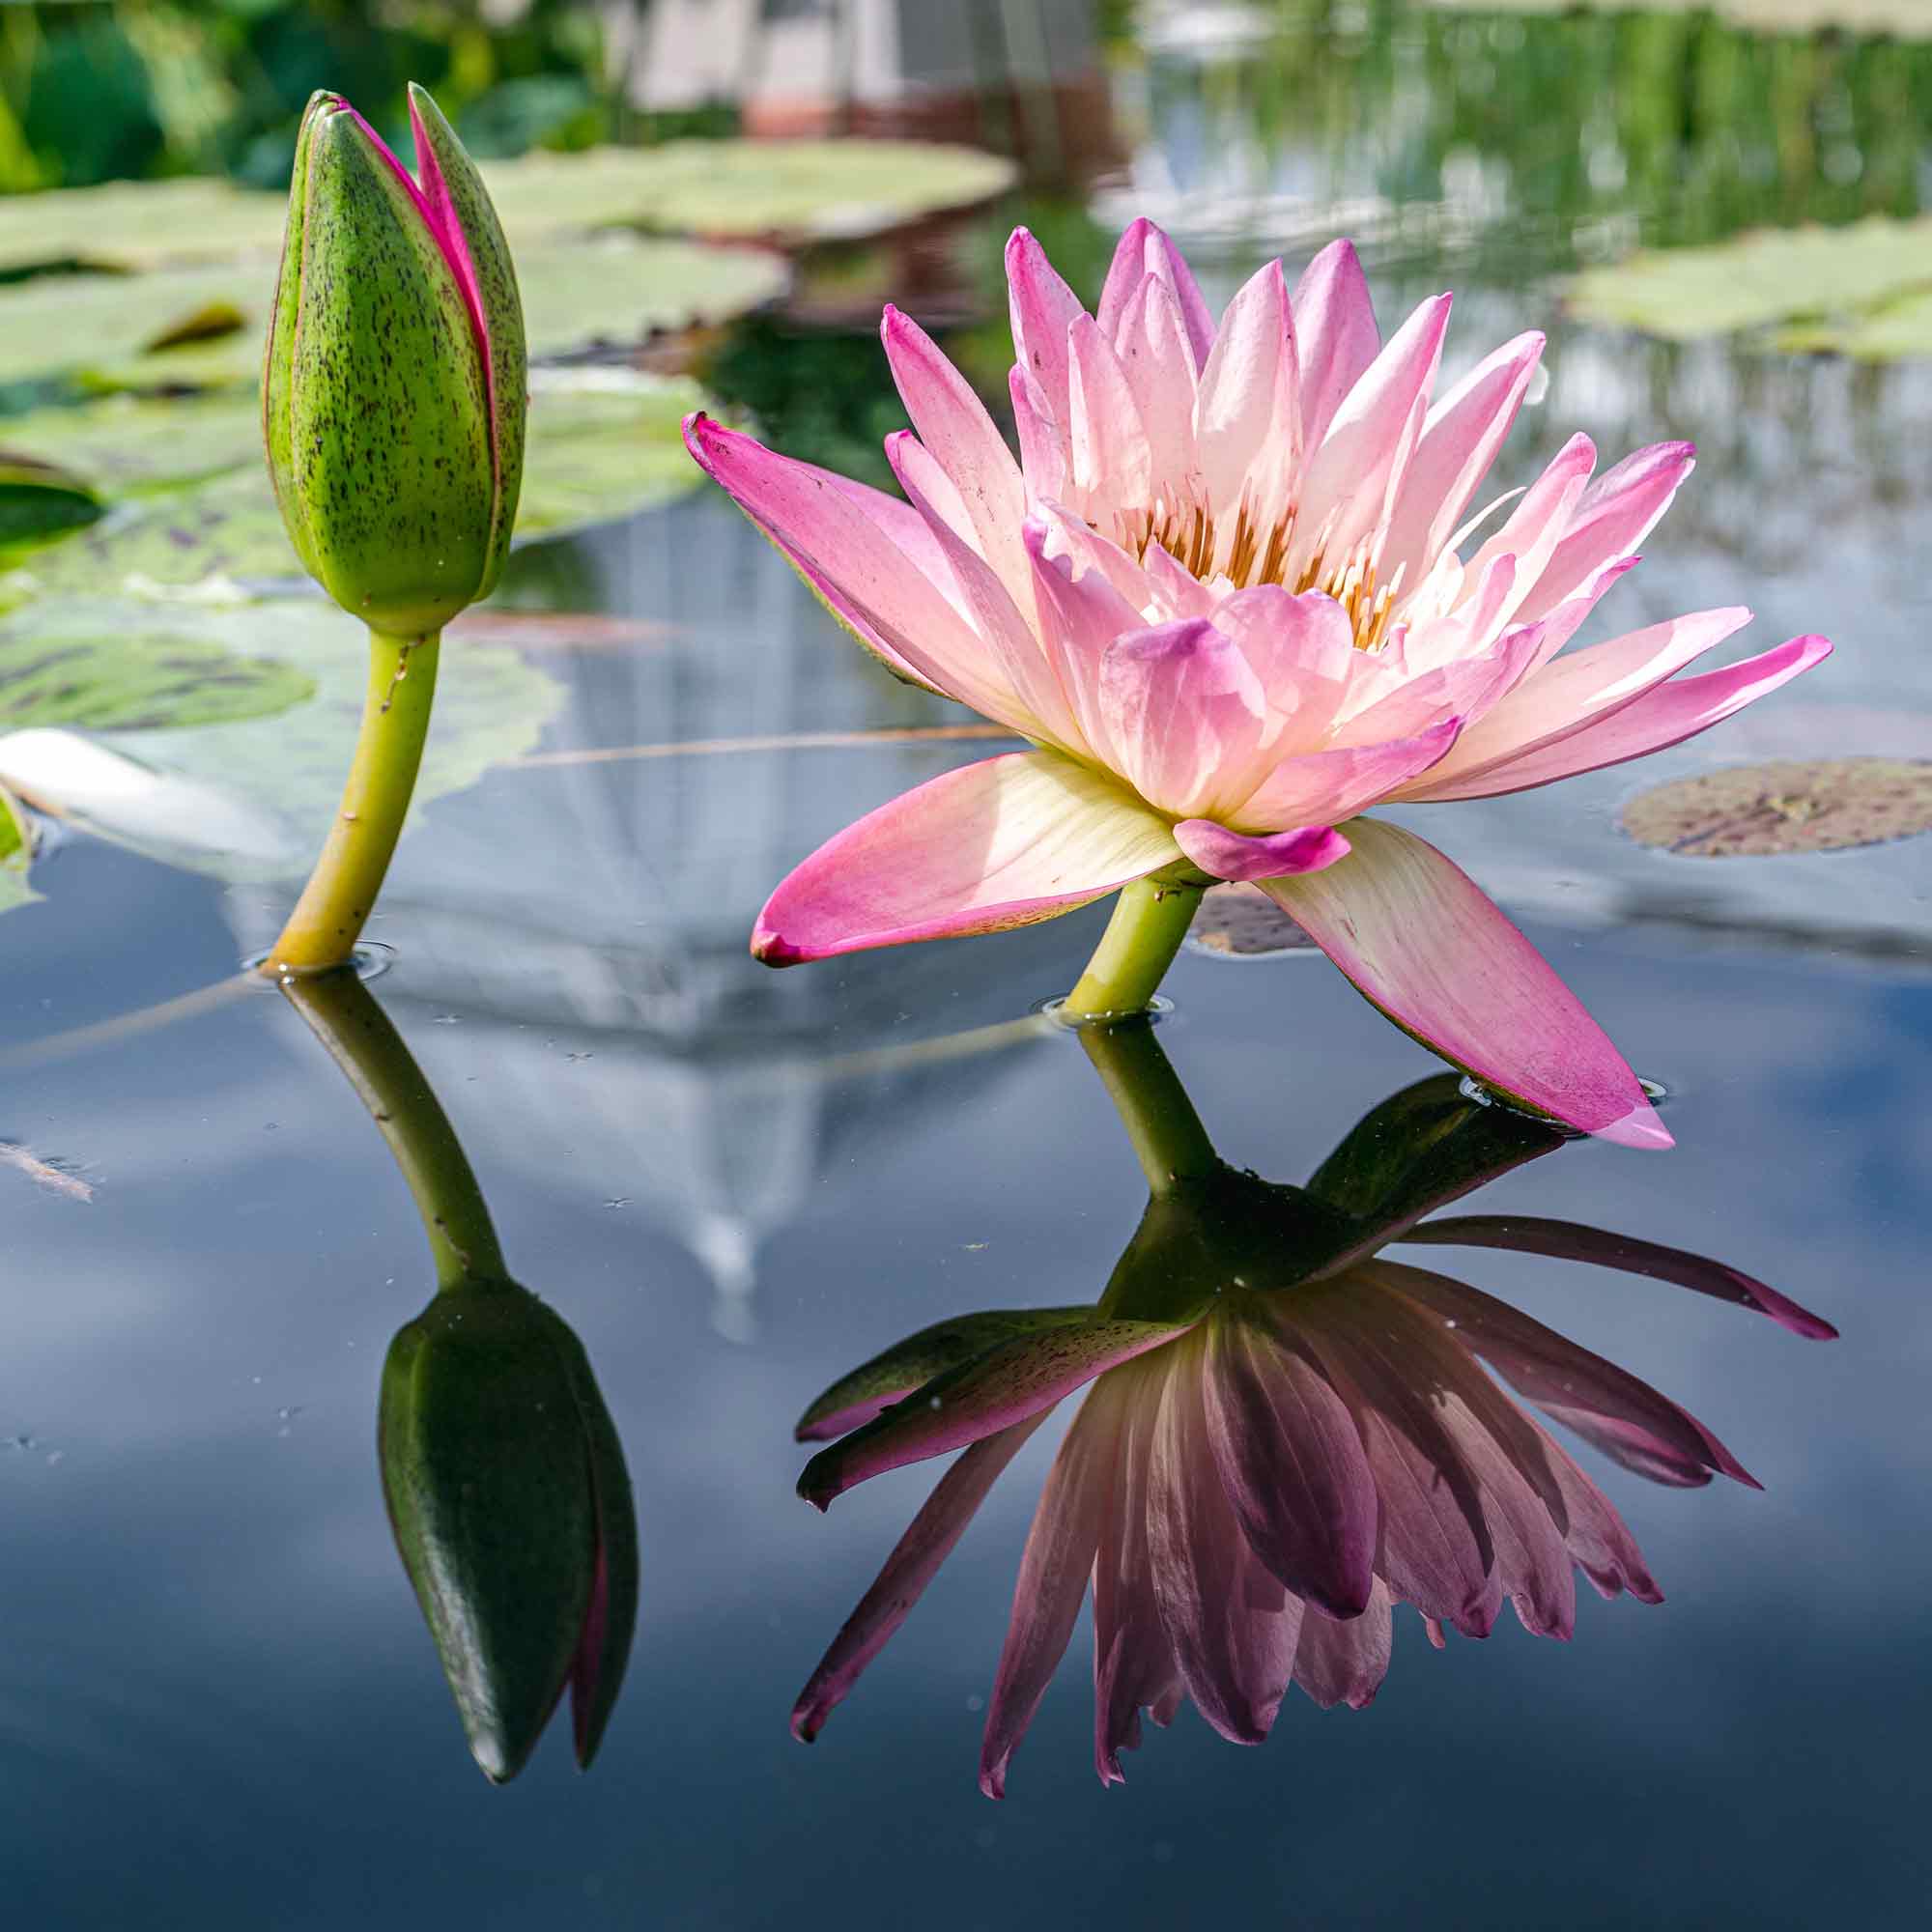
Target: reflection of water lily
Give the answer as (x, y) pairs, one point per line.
(1225, 592)
(1286, 1434)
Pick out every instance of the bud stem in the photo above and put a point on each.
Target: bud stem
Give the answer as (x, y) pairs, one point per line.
(1165, 1132)
(1150, 918)
(341, 891)
(363, 1041)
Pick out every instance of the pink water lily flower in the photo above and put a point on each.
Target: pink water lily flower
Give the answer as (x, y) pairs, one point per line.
(1233, 592)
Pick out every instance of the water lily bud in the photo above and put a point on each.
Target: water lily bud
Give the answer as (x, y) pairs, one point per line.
(394, 386)
(512, 1512)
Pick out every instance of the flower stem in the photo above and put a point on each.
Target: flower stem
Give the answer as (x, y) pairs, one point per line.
(362, 1040)
(341, 891)
(1167, 1134)
(1150, 918)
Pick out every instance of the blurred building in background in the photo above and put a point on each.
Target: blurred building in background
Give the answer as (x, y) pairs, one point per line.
(1022, 76)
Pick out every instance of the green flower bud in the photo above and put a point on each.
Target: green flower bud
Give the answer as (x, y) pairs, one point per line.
(512, 1512)
(394, 386)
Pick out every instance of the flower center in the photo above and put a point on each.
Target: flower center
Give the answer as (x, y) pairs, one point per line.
(1186, 533)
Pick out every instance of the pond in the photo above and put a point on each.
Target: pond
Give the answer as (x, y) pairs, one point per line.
(219, 1704)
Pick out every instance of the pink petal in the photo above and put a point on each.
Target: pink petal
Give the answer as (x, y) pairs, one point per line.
(1465, 688)
(1008, 841)
(1346, 1663)
(1599, 1540)
(1059, 1557)
(1459, 440)
(1664, 716)
(1422, 942)
(1046, 461)
(1302, 648)
(1276, 855)
(1008, 1383)
(913, 1564)
(952, 423)
(1626, 1418)
(845, 555)
(1358, 468)
(1044, 308)
(1159, 370)
(1145, 253)
(1568, 1241)
(1078, 615)
(1232, 1626)
(1543, 516)
(1614, 516)
(1335, 334)
(1249, 413)
(1184, 714)
(1291, 1462)
(1325, 787)
(1112, 466)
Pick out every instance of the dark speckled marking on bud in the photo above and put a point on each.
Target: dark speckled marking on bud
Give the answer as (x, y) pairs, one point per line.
(376, 415)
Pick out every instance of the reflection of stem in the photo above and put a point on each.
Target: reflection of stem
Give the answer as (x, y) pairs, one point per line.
(363, 1041)
(341, 891)
(1153, 1104)
(1150, 918)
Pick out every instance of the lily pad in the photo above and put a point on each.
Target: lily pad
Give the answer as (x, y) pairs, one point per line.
(195, 328)
(1240, 921)
(1825, 805)
(790, 191)
(1904, 19)
(1835, 280)
(247, 797)
(596, 452)
(145, 676)
(40, 501)
(127, 443)
(134, 225)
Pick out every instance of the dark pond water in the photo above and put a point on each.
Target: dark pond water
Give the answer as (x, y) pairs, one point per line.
(219, 1703)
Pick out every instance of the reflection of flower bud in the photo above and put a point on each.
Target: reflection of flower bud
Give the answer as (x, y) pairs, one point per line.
(512, 1510)
(393, 390)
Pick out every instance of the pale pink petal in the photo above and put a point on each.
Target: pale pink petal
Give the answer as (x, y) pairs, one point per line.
(1005, 843)
(1569, 693)
(1045, 460)
(1159, 370)
(1291, 1463)
(1232, 1626)
(1022, 666)
(1568, 1240)
(1067, 535)
(1274, 855)
(1335, 334)
(1470, 629)
(1614, 516)
(1459, 440)
(1421, 941)
(1605, 1405)
(1112, 466)
(1144, 251)
(871, 584)
(1543, 516)
(1346, 1663)
(1044, 308)
(952, 423)
(1079, 613)
(1247, 416)
(1058, 1558)
(1006, 1384)
(1133, 1663)
(927, 1542)
(1661, 717)
(1325, 787)
(1302, 648)
(1356, 473)
(1468, 688)
(1184, 715)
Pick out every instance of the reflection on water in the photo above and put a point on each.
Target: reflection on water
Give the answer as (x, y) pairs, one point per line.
(1286, 1434)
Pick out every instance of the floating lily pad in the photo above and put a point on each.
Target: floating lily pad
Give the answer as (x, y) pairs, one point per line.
(1242, 922)
(203, 327)
(1904, 19)
(40, 499)
(247, 797)
(595, 453)
(782, 190)
(131, 225)
(1821, 805)
(127, 443)
(1835, 280)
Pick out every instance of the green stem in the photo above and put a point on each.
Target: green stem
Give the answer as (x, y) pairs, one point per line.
(341, 891)
(1150, 918)
(1168, 1137)
(362, 1040)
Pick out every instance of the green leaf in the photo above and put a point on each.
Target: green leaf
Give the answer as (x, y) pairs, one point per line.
(784, 191)
(1906, 19)
(1841, 284)
(16, 854)
(241, 794)
(40, 501)
(136, 225)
